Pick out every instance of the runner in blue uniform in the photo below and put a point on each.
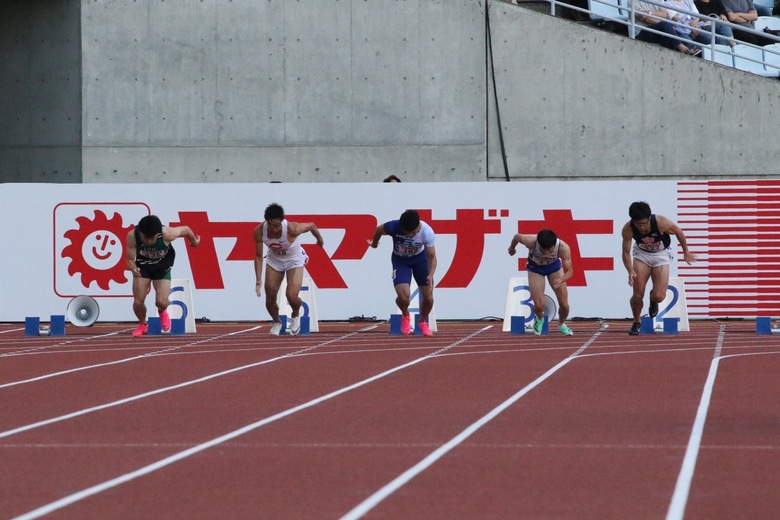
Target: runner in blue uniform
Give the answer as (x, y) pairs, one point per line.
(550, 258)
(150, 256)
(414, 254)
(652, 254)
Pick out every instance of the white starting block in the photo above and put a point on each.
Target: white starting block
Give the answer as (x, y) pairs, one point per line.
(181, 306)
(520, 306)
(673, 310)
(308, 307)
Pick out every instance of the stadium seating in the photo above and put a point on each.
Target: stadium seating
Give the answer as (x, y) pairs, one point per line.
(750, 59)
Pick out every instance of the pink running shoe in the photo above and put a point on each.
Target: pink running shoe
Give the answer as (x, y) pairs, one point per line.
(165, 321)
(406, 325)
(140, 330)
(425, 329)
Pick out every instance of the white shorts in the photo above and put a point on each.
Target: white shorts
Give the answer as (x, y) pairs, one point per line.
(655, 259)
(284, 263)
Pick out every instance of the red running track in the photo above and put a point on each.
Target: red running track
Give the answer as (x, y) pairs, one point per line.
(352, 422)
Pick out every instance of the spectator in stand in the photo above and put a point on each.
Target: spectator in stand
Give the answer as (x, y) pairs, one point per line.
(693, 27)
(743, 13)
(655, 18)
(714, 9)
(392, 178)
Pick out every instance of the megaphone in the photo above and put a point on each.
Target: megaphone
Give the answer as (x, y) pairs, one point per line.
(83, 311)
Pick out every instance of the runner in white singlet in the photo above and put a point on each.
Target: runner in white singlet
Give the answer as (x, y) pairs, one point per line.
(286, 257)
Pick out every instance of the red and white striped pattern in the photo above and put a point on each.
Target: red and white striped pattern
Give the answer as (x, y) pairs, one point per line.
(733, 227)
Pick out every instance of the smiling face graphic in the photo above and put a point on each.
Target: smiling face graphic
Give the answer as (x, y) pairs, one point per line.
(101, 250)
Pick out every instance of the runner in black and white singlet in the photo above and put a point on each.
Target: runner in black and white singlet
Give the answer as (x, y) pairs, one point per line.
(647, 254)
(414, 254)
(150, 257)
(285, 257)
(548, 258)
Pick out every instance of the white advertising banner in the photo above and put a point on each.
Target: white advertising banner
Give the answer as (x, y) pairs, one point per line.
(70, 240)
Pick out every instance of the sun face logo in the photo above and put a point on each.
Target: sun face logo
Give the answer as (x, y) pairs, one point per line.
(96, 250)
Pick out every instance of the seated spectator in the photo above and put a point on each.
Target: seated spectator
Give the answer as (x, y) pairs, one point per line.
(696, 28)
(714, 9)
(655, 18)
(743, 13)
(392, 178)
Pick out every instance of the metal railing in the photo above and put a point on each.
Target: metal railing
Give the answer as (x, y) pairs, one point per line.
(761, 60)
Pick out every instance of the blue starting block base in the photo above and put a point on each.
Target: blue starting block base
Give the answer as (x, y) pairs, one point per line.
(178, 326)
(305, 326)
(764, 326)
(395, 324)
(670, 326)
(32, 326)
(517, 325)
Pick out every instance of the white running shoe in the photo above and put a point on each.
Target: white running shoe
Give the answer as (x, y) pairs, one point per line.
(276, 329)
(295, 326)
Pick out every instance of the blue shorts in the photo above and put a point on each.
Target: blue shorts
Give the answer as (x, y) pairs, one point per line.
(545, 270)
(406, 266)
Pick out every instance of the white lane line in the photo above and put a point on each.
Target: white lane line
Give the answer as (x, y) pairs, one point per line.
(85, 493)
(401, 480)
(119, 361)
(85, 411)
(42, 348)
(683, 487)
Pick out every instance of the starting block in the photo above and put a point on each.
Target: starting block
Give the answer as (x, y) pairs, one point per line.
(395, 324)
(670, 326)
(178, 326)
(305, 326)
(517, 325)
(764, 326)
(32, 326)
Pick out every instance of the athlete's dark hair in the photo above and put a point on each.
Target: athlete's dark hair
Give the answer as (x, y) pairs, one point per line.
(150, 226)
(410, 219)
(639, 210)
(546, 238)
(274, 211)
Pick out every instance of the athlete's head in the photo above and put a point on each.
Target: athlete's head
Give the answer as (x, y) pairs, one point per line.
(546, 239)
(639, 211)
(149, 227)
(410, 222)
(274, 212)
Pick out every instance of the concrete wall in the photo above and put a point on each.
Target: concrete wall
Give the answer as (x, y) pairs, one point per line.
(40, 82)
(576, 102)
(354, 90)
(243, 91)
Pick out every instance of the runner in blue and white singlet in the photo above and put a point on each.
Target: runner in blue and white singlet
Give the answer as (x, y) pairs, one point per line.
(414, 254)
(549, 259)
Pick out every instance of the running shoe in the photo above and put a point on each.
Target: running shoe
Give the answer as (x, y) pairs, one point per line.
(295, 325)
(538, 325)
(165, 321)
(406, 325)
(635, 329)
(566, 331)
(652, 310)
(425, 329)
(140, 330)
(276, 329)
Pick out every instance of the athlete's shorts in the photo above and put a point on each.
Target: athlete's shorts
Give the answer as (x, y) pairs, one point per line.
(284, 263)
(655, 259)
(404, 267)
(151, 273)
(544, 270)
